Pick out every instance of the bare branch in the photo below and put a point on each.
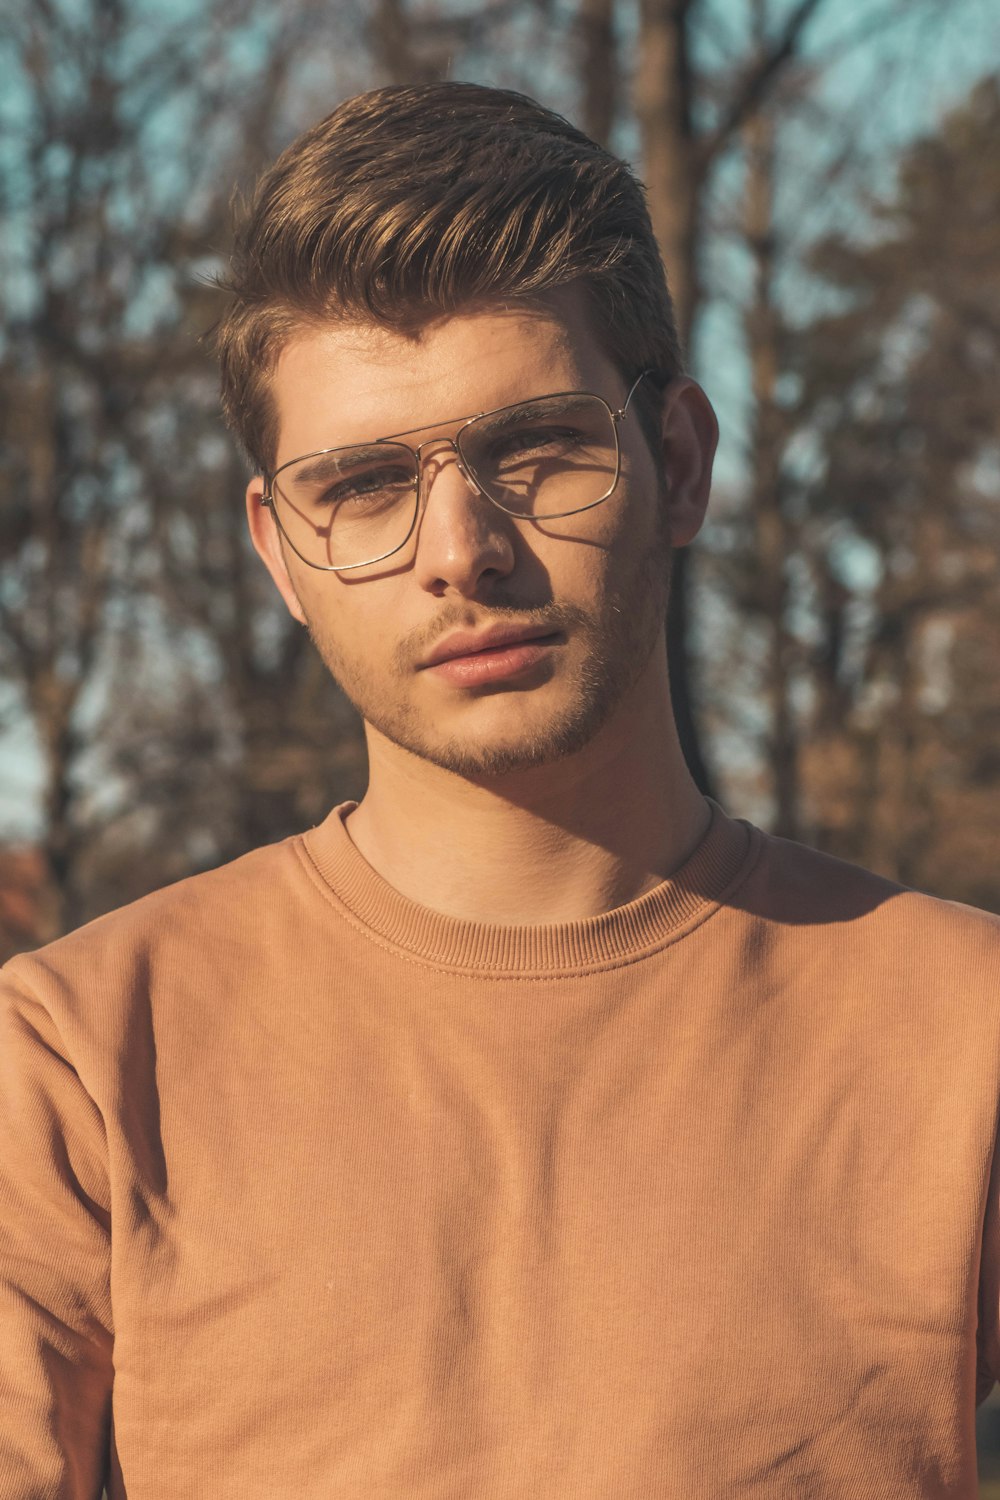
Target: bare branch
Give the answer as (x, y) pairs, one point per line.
(754, 86)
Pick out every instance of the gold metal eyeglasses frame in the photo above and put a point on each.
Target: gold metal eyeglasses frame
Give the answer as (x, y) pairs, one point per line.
(616, 416)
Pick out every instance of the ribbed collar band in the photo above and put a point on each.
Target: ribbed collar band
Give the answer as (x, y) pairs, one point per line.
(627, 933)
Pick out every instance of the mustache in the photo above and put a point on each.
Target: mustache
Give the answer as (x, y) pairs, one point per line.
(548, 618)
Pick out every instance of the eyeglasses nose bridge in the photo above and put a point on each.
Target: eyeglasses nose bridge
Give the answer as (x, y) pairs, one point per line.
(448, 442)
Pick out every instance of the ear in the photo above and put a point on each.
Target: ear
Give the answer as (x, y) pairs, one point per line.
(690, 438)
(267, 544)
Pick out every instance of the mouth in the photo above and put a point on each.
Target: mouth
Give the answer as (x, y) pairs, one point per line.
(470, 659)
(467, 643)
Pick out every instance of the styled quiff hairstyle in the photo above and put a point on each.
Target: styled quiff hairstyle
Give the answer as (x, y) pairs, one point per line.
(412, 202)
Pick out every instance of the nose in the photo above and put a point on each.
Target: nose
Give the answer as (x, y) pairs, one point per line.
(463, 541)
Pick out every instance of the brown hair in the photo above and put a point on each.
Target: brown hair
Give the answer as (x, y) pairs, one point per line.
(410, 202)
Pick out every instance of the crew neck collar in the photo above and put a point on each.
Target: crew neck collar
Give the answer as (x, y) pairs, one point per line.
(660, 916)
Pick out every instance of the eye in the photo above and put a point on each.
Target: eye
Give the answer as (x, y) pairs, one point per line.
(368, 488)
(527, 441)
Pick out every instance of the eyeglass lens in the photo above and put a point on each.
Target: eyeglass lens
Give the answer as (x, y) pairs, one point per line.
(541, 459)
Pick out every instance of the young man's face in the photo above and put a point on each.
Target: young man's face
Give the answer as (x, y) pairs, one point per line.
(585, 593)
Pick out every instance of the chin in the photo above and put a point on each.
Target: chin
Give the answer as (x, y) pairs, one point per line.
(475, 762)
(489, 756)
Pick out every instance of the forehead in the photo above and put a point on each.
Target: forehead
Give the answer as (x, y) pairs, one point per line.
(347, 382)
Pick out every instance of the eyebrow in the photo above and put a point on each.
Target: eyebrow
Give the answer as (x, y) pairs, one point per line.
(327, 465)
(330, 465)
(502, 414)
(509, 416)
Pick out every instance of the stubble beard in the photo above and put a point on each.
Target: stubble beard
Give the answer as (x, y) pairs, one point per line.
(618, 641)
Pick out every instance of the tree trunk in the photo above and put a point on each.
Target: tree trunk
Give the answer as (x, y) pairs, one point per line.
(599, 68)
(672, 175)
(772, 533)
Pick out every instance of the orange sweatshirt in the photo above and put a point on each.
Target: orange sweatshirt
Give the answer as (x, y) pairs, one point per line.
(310, 1193)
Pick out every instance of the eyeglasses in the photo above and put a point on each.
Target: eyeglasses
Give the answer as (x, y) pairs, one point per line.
(344, 508)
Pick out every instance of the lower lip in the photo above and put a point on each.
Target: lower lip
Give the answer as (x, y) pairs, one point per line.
(493, 665)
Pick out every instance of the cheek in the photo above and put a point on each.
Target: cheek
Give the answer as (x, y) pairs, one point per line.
(633, 532)
(597, 558)
(586, 544)
(362, 632)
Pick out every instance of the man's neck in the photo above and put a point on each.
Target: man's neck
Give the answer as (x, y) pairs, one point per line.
(556, 843)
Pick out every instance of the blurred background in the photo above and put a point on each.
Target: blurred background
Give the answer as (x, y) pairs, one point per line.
(824, 178)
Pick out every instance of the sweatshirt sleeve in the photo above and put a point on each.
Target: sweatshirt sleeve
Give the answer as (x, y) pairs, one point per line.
(988, 1329)
(55, 1305)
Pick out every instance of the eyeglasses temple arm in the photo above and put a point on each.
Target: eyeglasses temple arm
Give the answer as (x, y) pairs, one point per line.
(617, 415)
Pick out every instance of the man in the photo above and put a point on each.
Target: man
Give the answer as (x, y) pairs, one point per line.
(533, 1128)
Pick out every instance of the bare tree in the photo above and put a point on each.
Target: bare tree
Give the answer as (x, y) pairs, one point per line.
(901, 529)
(691, 113)
(117, 192)
(687, 119)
